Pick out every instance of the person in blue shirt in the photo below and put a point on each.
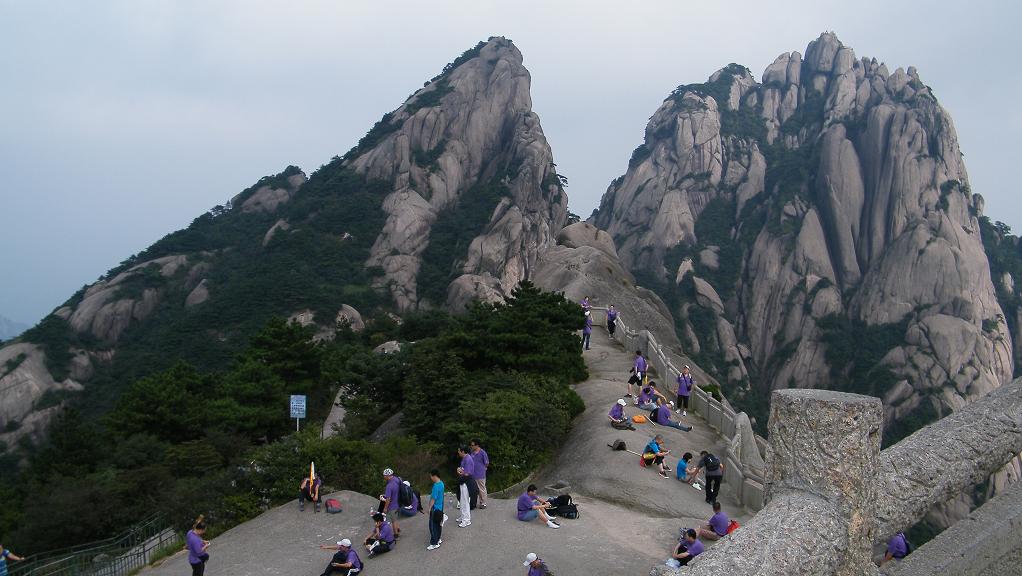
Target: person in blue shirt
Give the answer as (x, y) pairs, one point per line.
(681, 471)
(654, 453)
(436, 510)
(6, 555)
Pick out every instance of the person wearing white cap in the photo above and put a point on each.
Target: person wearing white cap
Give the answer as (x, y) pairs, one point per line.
(617, 416)
(345, 561)
(536, 565)
(389, 504)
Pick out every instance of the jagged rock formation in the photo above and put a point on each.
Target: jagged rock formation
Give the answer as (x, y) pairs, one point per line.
(452, 196)
(817, 229)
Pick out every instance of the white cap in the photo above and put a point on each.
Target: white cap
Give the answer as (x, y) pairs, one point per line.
(388, 472)
(406, 483)
(587, 312)
(344, 542)
(530, 559)
(622, 402)
(670, 403)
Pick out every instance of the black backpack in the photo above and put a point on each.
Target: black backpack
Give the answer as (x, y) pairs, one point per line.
(652, 414)
(404, 494)
(712, 463)
(618, 444)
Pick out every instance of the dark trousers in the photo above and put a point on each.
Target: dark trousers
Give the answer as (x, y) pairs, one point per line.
(473, 493)
(611, 326)
(306, 494)
(623, 425)
(682, 401)
(585, 340)
(331, 571)
(198, 569)
(435, 529)
(712, 487)
(381, 547)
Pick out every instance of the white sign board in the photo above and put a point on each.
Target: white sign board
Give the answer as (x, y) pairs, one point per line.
(297, 406)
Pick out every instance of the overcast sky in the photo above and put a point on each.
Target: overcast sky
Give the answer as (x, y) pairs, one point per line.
(123, 121)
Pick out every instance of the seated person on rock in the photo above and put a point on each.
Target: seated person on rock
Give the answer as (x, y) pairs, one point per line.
(717, 526)
(688, 548)
(681, 470)
(345, 561)
(415, 507)
(897, 548)
(531, 506)
(617, 416)
(381, 540)
(663, 415)
(654, 454)
(309, 491)
(648, 396)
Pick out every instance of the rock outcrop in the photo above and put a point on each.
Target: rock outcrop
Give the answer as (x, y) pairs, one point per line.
(784, 220)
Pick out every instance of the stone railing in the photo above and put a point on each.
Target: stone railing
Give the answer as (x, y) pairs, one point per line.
(746, 481)
(832, 495)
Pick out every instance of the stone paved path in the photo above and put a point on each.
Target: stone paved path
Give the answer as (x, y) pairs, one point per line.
(629, 515)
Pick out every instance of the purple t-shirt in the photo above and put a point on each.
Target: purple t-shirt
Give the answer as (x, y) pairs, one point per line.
(719, 523)
(696, 548)
(646, 395)
(896, 546)
(387, 532)
(640, 364)
(663, 414)
(611, 315)
(617, 412)
(391, 493)
(480, 460)
(684, 384)
(468, 465)
(356, 562)
(540, 570)
(588, 328)
(525, 503)
(194, 543)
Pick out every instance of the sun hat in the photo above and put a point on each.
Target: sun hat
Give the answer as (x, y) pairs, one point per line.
(530, 558)
(622, 402)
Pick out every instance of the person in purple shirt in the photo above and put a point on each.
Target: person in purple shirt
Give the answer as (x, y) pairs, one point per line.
(897, 548)
(688, 548)
(482, 462)
(638, 371)
(685, 384)
(587, 330)
(467, 488)
(585, 304)
(648, 395)
(531, 506)
(309, 491)
(663, 416)
(611, 320)
(536, 565)
(415, 507)
(717, 526)
(197, 555)
(617, 416)
(345, 561)
(389, 499)
(381, 540)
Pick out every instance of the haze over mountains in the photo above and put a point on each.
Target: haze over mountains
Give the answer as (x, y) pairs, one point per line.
(10, 328)
(812, 229)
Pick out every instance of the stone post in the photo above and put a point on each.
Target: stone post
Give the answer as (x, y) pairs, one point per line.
(821, 488)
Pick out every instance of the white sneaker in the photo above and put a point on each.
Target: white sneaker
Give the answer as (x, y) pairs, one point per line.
(552, 525)
(464, 525)
(444, 521)
(684, 412)
(432, 546)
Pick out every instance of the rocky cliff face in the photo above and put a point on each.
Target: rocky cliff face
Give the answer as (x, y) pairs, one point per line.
(452, 196)
(817, 229)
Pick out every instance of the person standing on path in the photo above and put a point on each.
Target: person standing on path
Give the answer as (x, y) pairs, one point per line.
(713, 469)
(465, 486)
(587, 330)
(638, 372)
(389, 499)
(345, 561)
(482, 463)
(197, 555)
(685, 384)
(611, 320)
(585, 304)
(6, 555)
(536, 566)
(436, 510)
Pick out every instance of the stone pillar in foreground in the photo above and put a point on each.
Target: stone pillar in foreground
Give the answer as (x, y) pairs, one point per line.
(820, 512)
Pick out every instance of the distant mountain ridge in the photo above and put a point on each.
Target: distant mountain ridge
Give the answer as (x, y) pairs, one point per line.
(10, 328)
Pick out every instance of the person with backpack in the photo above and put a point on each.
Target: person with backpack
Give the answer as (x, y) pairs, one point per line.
(531, 506)
(617, 416)
(408, 499)
(685, 384)
(467, 488)
(345, 561)
(713, 469)
(662, 416)
(648, 395)
(436, 510)
(587, 330)
(390, 499)
(717, 525)
(309, 491)
(611, 320)
(381, 540)
(196, 546)
(654, 453)
(637, 372)
(536, 566)
(897, 548)
(482, 463)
